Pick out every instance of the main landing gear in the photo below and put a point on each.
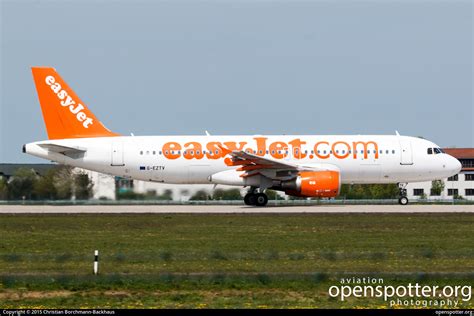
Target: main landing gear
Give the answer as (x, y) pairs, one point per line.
(402, 200)
(255, 199)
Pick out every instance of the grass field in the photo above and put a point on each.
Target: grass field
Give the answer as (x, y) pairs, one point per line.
(225, 260)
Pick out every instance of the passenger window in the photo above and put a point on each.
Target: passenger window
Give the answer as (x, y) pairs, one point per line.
(141, 152)
(386, 151)
(393, 151)
(160, 152)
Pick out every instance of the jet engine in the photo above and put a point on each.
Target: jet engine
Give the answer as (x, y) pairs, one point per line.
(313, 184)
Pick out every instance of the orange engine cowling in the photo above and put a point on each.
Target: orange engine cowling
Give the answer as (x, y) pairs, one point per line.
(314, 184)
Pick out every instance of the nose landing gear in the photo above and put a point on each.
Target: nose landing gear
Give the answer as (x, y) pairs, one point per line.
(255, 199)
(403, 199)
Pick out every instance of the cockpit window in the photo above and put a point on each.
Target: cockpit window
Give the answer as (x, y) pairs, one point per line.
(435, 151)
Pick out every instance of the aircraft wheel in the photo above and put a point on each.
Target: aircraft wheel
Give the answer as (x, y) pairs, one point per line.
(403, 200)
(261, 199)
(250, 199)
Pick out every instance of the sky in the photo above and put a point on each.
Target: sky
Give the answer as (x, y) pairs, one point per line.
(244, 67)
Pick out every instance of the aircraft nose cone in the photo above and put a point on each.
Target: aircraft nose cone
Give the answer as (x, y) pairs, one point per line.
(454, 165)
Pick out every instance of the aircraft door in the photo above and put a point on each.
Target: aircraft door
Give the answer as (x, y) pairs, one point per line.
(117, 154)
(406, 153)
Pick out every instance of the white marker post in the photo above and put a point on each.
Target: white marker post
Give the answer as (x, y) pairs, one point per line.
(96, 262)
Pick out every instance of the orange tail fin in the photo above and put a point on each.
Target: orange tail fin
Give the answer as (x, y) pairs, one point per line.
(64, 114)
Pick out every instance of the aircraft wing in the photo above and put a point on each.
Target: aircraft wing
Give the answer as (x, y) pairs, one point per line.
(253, 165)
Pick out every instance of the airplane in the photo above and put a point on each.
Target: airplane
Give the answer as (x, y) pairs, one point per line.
(299, 165)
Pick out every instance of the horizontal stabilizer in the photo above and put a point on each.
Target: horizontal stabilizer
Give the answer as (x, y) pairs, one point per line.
(60, 149)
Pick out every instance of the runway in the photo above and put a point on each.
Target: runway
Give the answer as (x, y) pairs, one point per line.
(230, 209)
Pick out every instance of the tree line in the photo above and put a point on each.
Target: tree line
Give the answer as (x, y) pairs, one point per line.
(58, 183)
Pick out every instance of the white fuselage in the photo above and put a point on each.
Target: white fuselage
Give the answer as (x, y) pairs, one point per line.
(188, 159)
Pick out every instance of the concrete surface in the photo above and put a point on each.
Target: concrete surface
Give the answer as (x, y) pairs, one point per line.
(233, 209)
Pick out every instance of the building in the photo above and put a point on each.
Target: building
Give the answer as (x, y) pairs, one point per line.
(104, 185)
(179, 192)
(458, 186)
